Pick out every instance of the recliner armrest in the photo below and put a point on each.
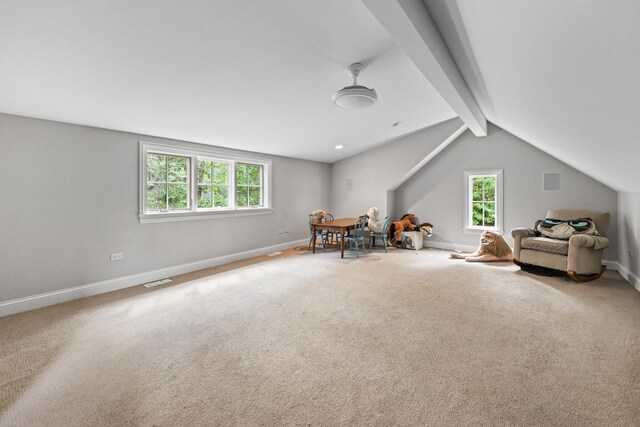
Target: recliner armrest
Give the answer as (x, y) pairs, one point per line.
(522, 232)
(588, 241)
(518, 234)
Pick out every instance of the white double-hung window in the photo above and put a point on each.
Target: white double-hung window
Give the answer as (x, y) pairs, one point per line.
(178, 183)
(249, 183)
(213, 183)
(483, 200)
(167, 182)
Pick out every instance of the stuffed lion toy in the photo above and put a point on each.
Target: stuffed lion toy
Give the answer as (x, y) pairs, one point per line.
(492, 247)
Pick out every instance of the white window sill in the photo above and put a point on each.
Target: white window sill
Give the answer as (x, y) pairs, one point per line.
(478, 231)
(190, 216)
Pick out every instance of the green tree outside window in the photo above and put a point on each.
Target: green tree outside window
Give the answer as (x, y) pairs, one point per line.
(167, 182)
(249, 185)
(483, 201)
(213, 184)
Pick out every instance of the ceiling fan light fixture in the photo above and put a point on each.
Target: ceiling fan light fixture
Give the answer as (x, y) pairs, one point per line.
(355, 96)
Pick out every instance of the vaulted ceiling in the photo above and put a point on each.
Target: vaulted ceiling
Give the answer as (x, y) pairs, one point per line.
(259, 76)
(561, 75)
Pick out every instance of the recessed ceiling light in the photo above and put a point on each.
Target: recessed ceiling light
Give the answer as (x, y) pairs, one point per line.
(397, 123)
(339, 147)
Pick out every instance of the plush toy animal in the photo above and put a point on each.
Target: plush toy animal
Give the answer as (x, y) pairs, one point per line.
(492, 247)
(426, 229)
(373, 223)
(407, 223)
(318, 215)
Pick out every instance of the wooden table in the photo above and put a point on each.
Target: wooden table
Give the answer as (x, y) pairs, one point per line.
(341, 225)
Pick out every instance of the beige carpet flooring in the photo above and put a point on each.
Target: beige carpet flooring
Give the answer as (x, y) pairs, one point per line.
(404, 338)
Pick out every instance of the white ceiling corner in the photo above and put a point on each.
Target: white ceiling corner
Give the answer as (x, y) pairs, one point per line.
(250, 75)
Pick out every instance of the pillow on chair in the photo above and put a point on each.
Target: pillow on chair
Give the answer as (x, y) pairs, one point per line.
(559, 229)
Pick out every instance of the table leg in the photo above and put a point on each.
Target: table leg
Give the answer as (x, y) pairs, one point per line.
(313, 243)
(345, 232)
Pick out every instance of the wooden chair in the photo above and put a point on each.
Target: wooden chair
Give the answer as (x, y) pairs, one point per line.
(331, 235)
(321, 234)
(382, 235)
(357, 238)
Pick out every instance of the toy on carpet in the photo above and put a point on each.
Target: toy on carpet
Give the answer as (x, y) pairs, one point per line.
(374, 224)
(492, 247)
(408, 222)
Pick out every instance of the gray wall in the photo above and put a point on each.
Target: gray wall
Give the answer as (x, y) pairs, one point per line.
(375, 171)
(69, 198)
(435, 193)
(629, 232)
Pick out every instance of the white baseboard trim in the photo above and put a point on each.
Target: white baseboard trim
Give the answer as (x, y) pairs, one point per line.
(33, 302)
(448, 246)
(629, 276)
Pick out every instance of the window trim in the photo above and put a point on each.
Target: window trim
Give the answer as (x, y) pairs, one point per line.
(466, 219)
(195, 213)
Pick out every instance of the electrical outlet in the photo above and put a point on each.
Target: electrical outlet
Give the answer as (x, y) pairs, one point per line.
(117, 256)
(286, 230)
(280, 231)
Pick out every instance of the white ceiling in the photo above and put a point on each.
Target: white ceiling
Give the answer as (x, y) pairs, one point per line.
(253, 75)
(562, 75)
(259, 75)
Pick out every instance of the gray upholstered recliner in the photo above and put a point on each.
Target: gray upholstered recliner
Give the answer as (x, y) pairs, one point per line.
(580, 256)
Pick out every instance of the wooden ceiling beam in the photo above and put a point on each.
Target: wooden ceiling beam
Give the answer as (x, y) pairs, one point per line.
(410, 25)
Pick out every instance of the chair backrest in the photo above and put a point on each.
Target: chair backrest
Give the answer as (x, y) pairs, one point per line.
(385, 226)
(361, 223)
(327, 217)
(600, 219)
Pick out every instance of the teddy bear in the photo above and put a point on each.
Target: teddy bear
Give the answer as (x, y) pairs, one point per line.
(318, 215)
(373, 223)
